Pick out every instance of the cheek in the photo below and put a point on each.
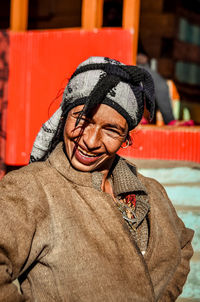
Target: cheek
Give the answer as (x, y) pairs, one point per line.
(69, 137)
(112, 145)
(69, 132)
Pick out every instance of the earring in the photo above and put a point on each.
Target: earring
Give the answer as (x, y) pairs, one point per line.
(127, 144)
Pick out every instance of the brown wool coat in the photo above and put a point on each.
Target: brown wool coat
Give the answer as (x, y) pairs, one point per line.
(67, 241)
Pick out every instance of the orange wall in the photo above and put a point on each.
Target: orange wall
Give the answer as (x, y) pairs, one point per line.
(166, 142)
(40, 64)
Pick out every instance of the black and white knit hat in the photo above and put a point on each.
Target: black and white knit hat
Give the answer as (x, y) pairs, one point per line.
(100, 80)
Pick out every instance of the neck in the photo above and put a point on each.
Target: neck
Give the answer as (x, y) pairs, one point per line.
(106, 185)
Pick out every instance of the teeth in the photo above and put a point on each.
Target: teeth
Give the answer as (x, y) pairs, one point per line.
(89, 154)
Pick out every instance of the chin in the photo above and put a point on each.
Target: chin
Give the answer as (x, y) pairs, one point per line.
(81, 167)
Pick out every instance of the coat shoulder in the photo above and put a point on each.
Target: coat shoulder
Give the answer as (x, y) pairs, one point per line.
(27, 174)
(146, 181)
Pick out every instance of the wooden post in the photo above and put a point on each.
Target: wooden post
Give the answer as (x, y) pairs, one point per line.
(18, 15)
(92, 14)
(99, 13)
(130, 20)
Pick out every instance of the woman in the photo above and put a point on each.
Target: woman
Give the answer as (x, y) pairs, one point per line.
(80, 223)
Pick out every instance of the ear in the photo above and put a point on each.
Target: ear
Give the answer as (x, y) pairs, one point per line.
(129, 138)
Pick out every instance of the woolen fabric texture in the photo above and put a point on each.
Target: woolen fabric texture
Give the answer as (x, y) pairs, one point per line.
(67, 241)
(103, 80)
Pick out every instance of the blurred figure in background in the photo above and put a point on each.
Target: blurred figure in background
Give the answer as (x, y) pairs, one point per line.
(162, 92)
(113, 18)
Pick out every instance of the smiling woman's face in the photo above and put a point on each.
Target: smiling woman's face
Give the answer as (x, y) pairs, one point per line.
(93, 143)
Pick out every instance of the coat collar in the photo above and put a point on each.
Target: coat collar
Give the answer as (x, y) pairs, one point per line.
(124, 178)
(123, 174)
(60, 162)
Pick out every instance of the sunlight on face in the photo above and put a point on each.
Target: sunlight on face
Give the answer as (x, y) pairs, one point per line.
(92, 145)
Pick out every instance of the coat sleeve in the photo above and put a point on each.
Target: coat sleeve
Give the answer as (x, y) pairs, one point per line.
(175, 285)
(18, 228)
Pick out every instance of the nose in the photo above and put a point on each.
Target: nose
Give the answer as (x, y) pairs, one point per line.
(92, 137)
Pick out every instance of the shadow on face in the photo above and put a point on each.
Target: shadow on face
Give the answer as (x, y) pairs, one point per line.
(93, 143)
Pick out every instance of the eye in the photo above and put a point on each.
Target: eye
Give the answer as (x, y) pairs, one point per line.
(114, 133)
(84, 120)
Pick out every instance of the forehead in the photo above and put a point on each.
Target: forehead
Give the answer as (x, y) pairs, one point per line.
(103, 114)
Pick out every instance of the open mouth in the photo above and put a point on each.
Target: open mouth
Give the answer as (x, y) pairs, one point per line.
(87, 153)
(86, 157)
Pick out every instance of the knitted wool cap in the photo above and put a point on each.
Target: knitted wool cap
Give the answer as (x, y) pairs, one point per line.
(100, 80)
(81, 87)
